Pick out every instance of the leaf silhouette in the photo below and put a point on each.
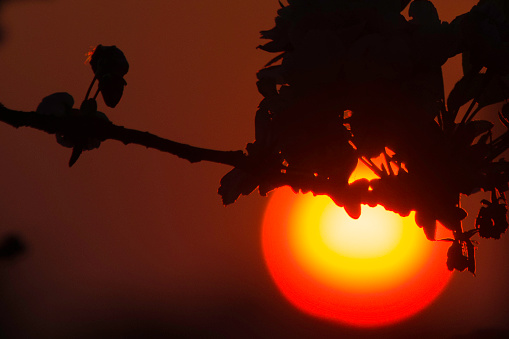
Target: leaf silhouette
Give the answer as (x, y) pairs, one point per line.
(235, 183)
(428, 224)
(452, 219)
(465, 90)
(492, 218)
(455, 258)
(76, 152)
(484, 30)
(58, 104)
(486, 89)
(356, 191)
(466, 133)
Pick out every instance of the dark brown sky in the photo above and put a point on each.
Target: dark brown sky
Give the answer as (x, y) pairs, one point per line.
(130, 241)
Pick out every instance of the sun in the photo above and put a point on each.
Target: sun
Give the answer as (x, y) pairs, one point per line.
(374, 234)
(373, 271)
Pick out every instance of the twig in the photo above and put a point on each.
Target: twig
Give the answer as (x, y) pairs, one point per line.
(105, 130)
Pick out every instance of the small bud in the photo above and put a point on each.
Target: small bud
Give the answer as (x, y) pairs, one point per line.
(112, 88)
(109, 65)
(108, 60)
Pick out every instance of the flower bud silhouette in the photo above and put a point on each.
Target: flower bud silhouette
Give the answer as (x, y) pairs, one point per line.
(109, 65)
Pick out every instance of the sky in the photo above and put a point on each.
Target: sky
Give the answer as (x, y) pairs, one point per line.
(135, 243)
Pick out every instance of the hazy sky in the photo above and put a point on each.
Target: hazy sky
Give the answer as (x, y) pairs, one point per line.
(134, 242)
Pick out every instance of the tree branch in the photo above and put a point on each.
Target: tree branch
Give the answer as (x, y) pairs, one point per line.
(103, 130)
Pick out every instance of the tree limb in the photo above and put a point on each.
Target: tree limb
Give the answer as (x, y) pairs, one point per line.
(103, 130)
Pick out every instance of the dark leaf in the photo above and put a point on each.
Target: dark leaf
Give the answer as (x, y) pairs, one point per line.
(57, 104)
(466, 64)
(496, 91)
(428, 224)
(491, 221)
(484, 31)
(464, 91)
(430, 231)
(466, 133)
(262, 125)
(235, 183)
(266, 187)
(486, 89)
(353, 210)
(354, 197)
(275, 46)
(76, 152)
(275, 59)
(274, 73)
(267, 87)
(452, 220)
(455, 258)
(483, 140)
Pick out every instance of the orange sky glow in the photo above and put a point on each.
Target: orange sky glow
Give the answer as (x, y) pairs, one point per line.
(134, 243)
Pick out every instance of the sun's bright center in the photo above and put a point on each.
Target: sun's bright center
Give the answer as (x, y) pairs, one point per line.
(375, 234)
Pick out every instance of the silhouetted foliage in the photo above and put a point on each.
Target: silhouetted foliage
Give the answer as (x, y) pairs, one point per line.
(352, 80)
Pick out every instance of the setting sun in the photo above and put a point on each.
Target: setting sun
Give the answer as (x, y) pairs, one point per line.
(373, 271)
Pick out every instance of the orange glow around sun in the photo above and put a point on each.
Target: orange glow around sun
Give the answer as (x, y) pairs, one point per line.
(373, 271)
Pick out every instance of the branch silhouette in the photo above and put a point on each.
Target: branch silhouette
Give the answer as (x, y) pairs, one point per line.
(105, 130)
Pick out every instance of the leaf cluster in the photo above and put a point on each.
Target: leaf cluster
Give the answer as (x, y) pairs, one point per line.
(355, 81)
